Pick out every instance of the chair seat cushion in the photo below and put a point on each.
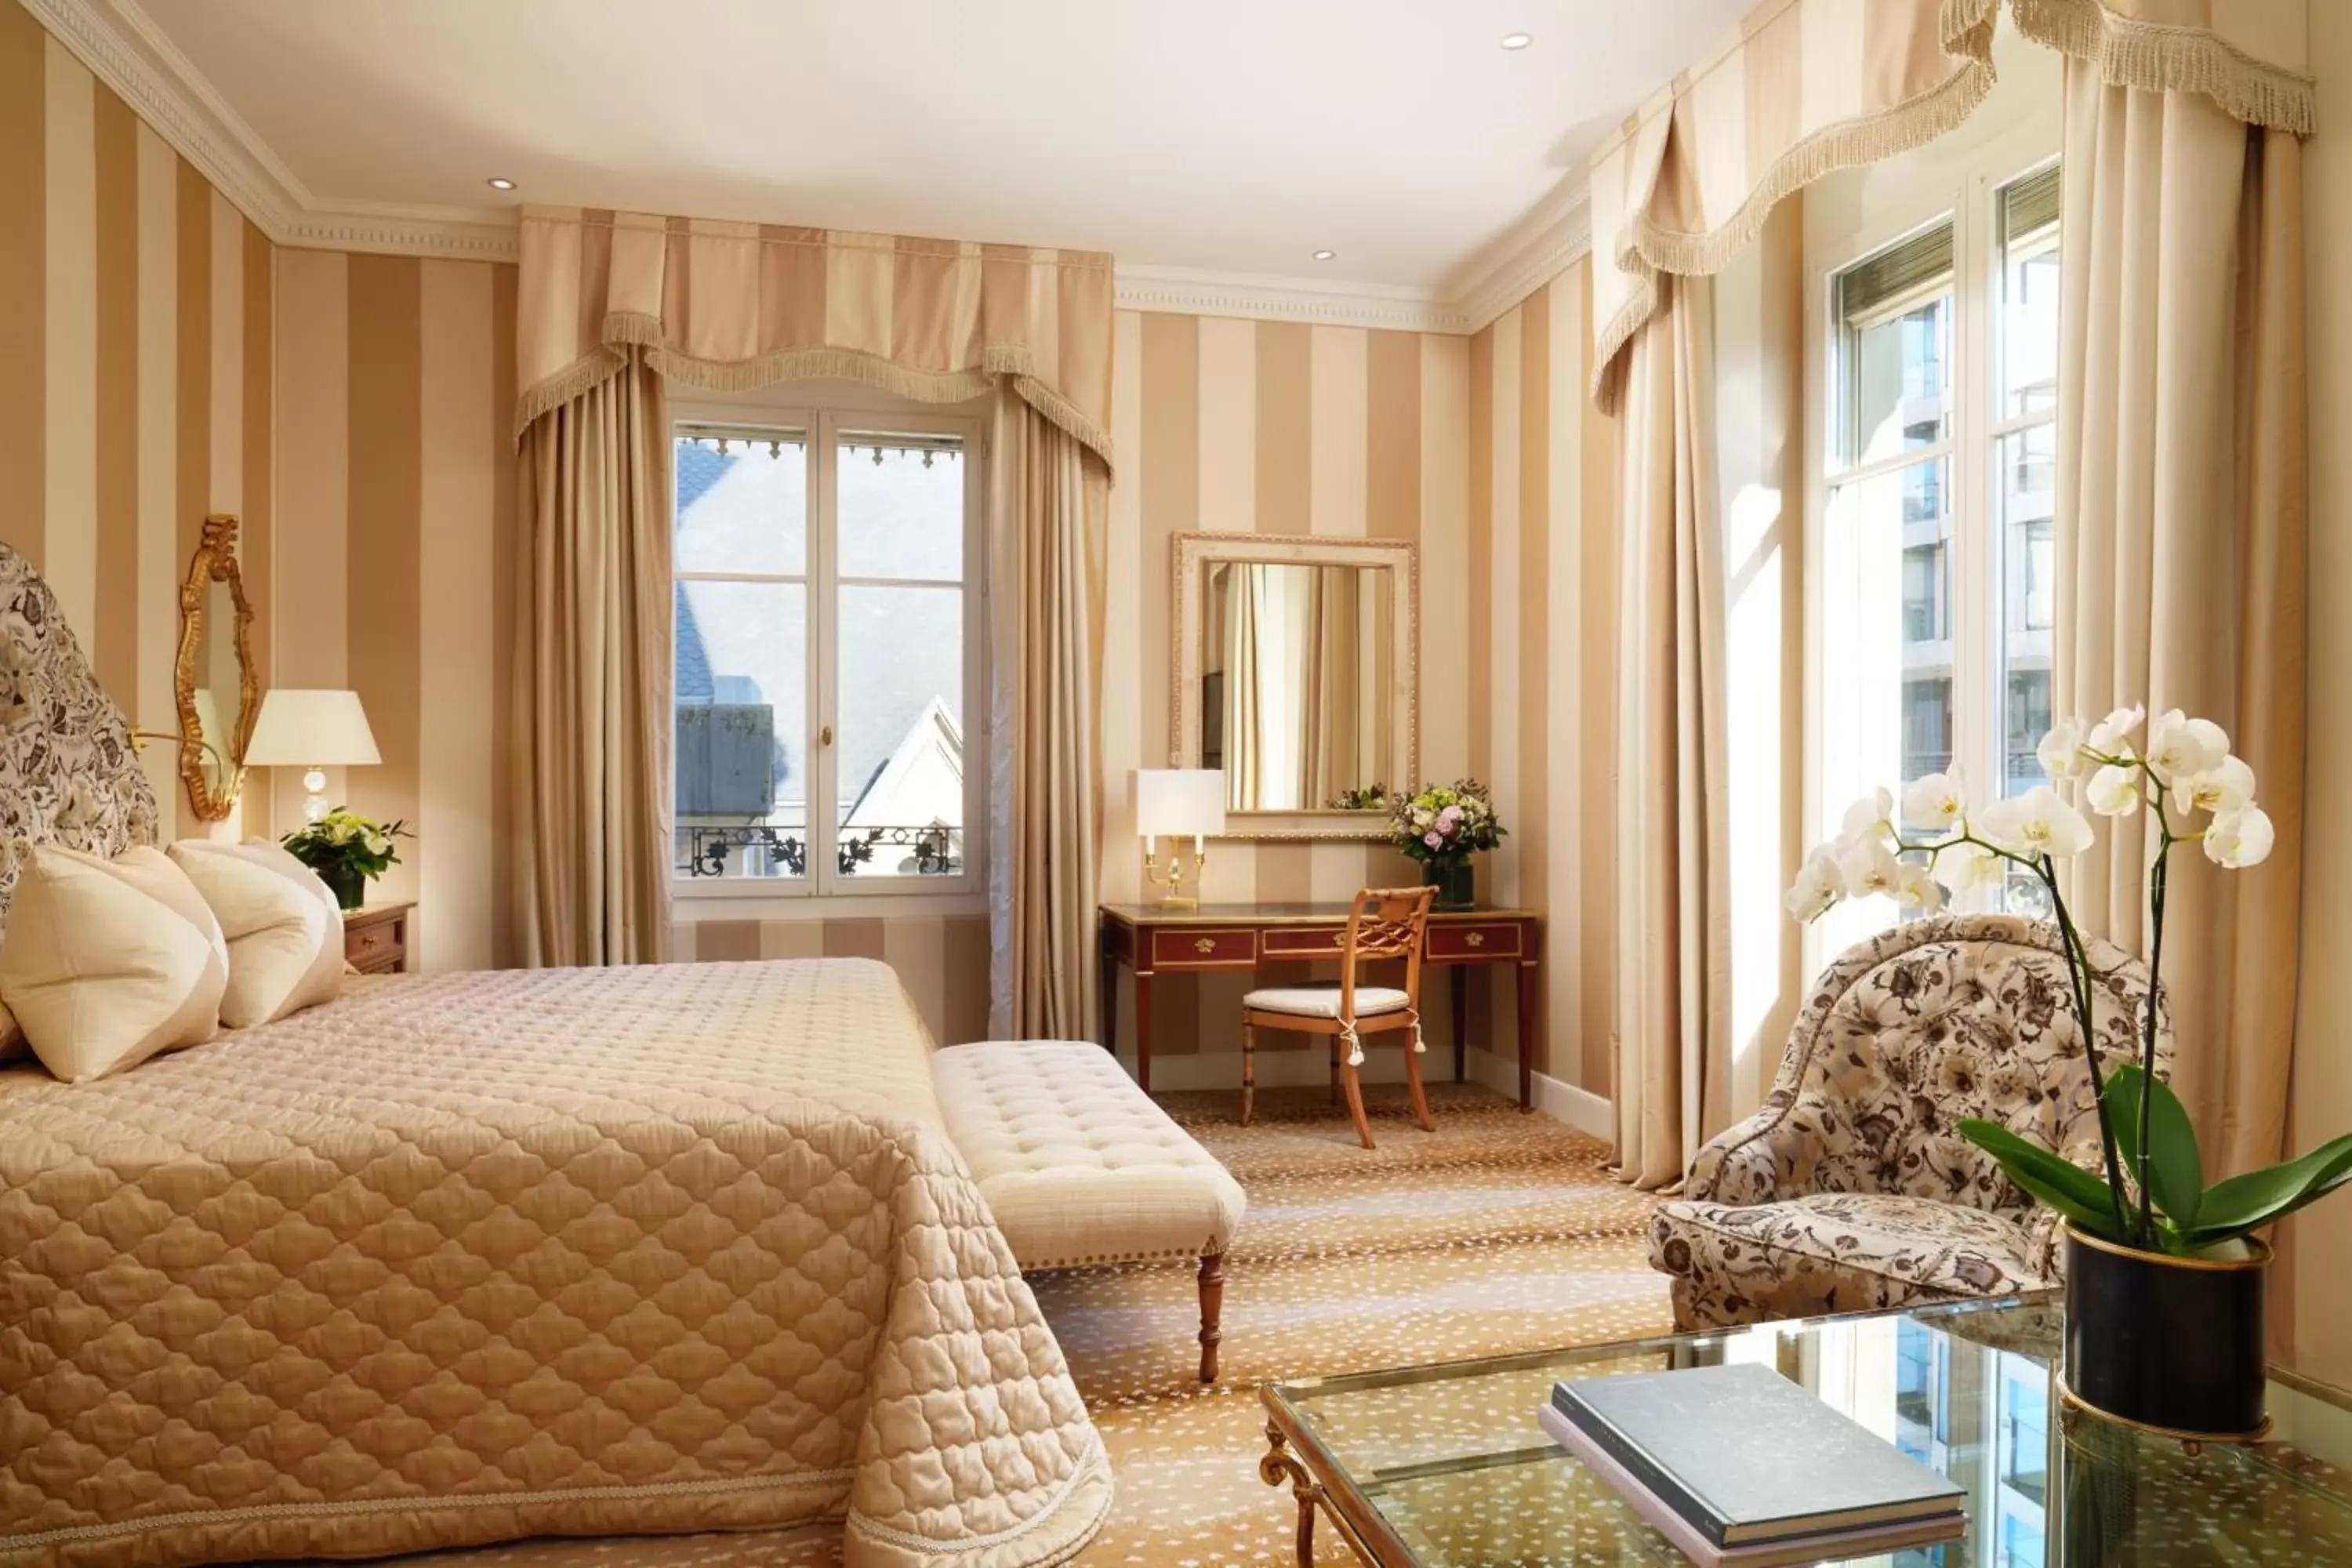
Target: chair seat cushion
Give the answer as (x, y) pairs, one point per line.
(1321, 1000)
(1076, 1163)
(1835, 1252)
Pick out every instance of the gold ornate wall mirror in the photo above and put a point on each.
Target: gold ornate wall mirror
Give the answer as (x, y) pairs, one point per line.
(1294, 674)
(214, 680)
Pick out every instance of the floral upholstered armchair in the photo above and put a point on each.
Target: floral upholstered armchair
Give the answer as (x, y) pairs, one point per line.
(1850, 1191)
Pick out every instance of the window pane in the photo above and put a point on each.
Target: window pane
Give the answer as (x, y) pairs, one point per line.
(1895, 372)
(2029, 295)
(1887, 703)
(902, 505)
(2026, 484)
(743, 507)
(901, 732)
(742, 729)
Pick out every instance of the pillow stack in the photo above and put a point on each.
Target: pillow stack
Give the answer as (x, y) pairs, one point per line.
(110, 961)
(284, 929)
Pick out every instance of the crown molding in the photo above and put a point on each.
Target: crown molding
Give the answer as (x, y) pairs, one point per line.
(455, 233)
(1528, 255)
(124, 47)
(1187, 292)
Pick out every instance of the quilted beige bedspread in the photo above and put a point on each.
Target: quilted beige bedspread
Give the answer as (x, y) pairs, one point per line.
(580, 1251)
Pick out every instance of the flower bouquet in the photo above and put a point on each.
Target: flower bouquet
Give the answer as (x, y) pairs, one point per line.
(2164, 1299)
(347, 850)
(1442, 826)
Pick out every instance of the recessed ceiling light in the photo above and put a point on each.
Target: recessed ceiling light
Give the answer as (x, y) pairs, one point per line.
(1517, 40)
(500, 182)
(1325, 255)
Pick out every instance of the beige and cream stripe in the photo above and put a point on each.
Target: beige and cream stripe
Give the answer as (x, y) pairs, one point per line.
(1233, 426)
(134, 396)
(1538, 554)
(395, 472)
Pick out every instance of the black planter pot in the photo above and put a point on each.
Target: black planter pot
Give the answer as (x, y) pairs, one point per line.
(2173, 1344)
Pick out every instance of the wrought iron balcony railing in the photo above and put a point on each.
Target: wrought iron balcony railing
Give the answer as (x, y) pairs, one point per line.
(765, 850)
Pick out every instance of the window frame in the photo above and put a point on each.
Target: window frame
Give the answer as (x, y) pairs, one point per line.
(826, 893)
(1965, 196)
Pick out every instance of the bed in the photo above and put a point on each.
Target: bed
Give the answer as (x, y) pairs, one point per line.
(465, 1259)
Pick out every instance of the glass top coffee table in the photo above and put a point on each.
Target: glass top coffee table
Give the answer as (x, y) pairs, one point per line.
(1443, 1467)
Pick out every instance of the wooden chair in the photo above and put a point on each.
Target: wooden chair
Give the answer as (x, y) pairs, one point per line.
(1382, 922)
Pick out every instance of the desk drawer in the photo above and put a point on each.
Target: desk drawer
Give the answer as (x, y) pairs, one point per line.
(1306, 942)
(1194, 948)
(1465, 942)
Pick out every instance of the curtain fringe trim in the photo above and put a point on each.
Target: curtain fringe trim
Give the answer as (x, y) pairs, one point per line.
(2157, 57)
(1001, 363)
(1646, 249)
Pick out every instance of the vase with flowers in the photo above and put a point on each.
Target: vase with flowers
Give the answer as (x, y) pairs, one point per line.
(1442, 825)
(347, 850)
(2164, 1274)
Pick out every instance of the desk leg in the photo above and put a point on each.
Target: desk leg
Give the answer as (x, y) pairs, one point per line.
(1528, 1004)
(1143, 1030)
(1457, 986)
(1109, 999)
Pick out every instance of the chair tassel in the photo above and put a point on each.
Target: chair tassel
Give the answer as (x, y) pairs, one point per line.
(1355, 1045)
(1420, 1046)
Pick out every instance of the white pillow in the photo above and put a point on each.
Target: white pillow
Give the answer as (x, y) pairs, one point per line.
(284, 929)
(109, 962)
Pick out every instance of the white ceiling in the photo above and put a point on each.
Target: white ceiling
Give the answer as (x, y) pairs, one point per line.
(1233, 136)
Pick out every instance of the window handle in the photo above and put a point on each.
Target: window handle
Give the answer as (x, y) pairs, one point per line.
(825, 736)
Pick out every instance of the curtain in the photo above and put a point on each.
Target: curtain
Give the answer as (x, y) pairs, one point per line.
(1801, 87)
(1331, 752)
(2181, 579)
(1049, 520)
(635, 299)
(727, 307)
(1246, 726)
(1672, 996)
(593, 674)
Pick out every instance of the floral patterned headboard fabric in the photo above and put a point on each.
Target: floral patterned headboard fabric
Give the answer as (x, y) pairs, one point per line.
(67, 774)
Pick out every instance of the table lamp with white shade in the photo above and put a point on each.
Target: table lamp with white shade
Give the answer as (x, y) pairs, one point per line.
(313, 729)
(1173, 802)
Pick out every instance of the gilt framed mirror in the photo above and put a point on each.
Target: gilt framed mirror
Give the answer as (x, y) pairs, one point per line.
(1295, 671)
(214, 681)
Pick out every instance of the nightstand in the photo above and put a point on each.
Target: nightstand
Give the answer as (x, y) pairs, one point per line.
(376, 939)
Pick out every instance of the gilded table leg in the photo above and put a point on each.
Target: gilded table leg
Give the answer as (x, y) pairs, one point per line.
(1280, 1465)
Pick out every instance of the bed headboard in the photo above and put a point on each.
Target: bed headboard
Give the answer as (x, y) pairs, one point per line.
(67, 774)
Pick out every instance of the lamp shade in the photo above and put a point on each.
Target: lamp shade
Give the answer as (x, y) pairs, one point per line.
(312, 729)
(1178, 801)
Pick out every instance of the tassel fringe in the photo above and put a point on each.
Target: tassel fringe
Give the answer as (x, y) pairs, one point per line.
(1647, 249)
(625, 329)
(2156, 58)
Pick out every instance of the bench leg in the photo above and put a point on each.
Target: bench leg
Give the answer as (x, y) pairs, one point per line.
(1212, 1311)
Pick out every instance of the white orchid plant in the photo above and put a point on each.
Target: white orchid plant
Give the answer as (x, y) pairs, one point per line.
(2153, 1194)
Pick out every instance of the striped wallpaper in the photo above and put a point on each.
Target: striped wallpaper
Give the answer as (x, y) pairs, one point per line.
(395, 481)
(1458, 444)
(160, 359)
(135, 394)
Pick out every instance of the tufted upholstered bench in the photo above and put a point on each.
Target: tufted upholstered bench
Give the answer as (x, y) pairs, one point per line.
(1080, 1167)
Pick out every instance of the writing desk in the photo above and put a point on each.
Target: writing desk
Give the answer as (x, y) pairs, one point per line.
(1152, 939)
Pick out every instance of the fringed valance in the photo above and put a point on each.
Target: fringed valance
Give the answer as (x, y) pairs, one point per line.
(1811, 86)
(2248, 56)
(727, 307)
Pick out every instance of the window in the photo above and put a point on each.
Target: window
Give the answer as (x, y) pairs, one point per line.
(1936, 560)
(828, 680)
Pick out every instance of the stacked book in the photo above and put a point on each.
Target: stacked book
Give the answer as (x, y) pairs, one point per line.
(1740, 1468)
